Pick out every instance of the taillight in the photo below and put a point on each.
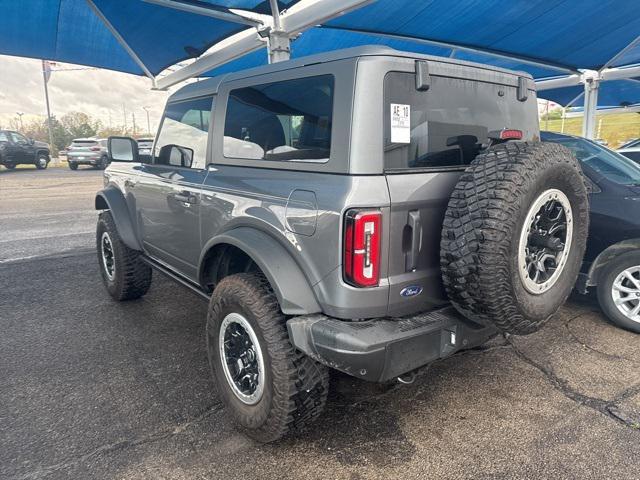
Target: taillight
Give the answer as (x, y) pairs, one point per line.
(505, 134)
(362, 247)
(95, 149)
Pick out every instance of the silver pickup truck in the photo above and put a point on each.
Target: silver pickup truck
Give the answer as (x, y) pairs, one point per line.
(365, 210)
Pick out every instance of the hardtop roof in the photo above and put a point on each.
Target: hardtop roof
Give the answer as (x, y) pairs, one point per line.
(210, 86)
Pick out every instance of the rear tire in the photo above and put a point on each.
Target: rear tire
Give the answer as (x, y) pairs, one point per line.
(290, 390)
(73, 166)
(613, 286)
(103, 163)
(493, 231)
(10, 166)
(125, 275)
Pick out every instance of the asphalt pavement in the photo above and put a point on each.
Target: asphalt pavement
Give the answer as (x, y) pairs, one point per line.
(91, 388)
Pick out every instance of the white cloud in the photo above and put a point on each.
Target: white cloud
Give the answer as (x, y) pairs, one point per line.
(97, 92)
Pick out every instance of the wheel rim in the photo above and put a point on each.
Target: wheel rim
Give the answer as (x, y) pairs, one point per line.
(108, 258)
(545, 241)
(242, 359)
(42, 161)
(625, 292)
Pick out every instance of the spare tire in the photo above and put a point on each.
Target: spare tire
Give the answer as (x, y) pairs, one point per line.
(514, 235)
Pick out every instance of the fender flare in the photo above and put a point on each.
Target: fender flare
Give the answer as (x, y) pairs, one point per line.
(289, 283)
(112, 199)
(607, 255)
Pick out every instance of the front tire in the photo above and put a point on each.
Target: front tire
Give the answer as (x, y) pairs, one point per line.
(269, 387)
(514, 235)
(619, 291)
(42, 162)
(125, 275)
(10, 166)
(73, 166)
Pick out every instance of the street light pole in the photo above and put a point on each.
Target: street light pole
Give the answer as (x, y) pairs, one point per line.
(21, 125)
(146, 109)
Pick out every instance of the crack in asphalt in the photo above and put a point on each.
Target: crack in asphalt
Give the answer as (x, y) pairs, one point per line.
(121, 445)
(589, 347)
(605, 407)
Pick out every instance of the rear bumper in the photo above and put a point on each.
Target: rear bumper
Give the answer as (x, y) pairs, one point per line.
(382, 349)
(85, 160)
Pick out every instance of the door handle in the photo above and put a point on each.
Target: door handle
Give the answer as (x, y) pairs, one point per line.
(185, 197)
(414, 222)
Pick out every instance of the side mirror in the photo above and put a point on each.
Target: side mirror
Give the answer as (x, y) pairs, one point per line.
(122, 149)
(31, 141)
(176, 155)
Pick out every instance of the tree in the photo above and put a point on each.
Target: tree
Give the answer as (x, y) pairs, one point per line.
(80, 125)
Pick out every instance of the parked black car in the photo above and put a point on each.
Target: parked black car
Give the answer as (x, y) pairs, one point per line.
(16, 149)
(612, 260)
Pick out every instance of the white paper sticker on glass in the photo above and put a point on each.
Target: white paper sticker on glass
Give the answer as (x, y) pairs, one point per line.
(400, 123)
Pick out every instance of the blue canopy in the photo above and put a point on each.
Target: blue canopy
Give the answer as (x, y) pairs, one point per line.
(544, 37)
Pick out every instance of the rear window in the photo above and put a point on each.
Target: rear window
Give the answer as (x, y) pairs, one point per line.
(282, 121)
(84, 143)
(446, 125)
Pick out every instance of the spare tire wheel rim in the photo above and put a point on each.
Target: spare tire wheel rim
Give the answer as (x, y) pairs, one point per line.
(545, 241)
(242, 359)
(625, 292)
(108, 257)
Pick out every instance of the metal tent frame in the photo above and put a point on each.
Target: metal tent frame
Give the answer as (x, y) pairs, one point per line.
(275, 32)
(591, 80)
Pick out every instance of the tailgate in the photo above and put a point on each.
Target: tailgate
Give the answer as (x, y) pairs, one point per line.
(418, 204)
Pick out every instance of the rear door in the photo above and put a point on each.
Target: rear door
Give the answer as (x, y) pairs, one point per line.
(429, 138)
(10, 153)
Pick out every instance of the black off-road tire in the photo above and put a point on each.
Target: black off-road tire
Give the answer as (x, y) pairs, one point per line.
(606, 279)
(73, 166)
(481, 234)
(132, 277)
(40, 165)
(295, 387)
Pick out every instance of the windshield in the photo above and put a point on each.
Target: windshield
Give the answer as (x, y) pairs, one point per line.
(609, 164)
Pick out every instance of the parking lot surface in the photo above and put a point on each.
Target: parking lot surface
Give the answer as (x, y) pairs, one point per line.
(91, 388)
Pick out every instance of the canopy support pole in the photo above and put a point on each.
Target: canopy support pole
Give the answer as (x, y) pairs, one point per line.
(121, 41)
(300, 17)
(591, 82)
(278, 43)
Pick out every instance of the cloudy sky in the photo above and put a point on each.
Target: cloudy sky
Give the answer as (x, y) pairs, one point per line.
(99, 93)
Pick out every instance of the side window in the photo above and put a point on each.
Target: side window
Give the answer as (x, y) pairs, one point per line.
(4, 137)
(17, 138)
(282, 121)
(182, 141)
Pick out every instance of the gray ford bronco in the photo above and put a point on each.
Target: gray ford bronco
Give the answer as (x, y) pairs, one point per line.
(365, 210)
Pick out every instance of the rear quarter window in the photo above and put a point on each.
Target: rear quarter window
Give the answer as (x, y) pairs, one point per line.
(450, 121)
(281, 121)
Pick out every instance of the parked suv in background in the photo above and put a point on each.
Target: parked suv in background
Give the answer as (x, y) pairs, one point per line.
(88, 151)
(16, 149)
(366, 210)
(144, 149)
(612, 260)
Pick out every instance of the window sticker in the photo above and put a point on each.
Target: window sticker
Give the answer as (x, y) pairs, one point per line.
(400, 123)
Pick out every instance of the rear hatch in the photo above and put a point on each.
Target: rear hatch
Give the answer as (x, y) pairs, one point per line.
(83, 148)
(429, 138)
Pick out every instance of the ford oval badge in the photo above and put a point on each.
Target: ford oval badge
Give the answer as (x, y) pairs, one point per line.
(411, 291)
